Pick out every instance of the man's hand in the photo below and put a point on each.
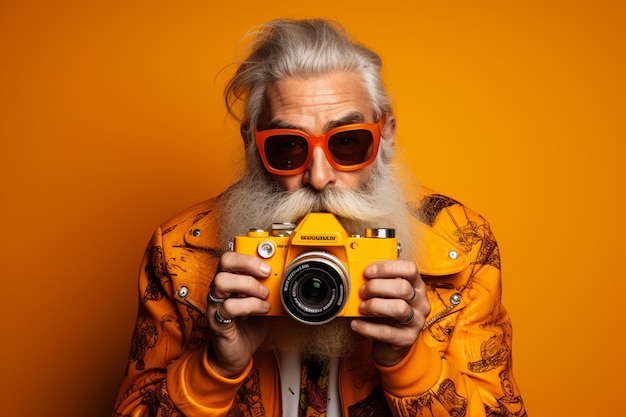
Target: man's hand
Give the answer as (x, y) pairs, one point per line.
(236, 294)
(395, 293)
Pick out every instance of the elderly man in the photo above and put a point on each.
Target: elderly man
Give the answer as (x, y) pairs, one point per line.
(426, 333)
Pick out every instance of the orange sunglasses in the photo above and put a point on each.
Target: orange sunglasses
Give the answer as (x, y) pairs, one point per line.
(347, 148)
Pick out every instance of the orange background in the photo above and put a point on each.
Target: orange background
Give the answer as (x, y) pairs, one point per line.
(112, 120)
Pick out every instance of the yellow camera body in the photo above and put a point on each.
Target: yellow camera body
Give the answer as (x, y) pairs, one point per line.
(317, 268)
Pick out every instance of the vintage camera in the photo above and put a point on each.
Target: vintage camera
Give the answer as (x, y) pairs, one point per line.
(317, 267)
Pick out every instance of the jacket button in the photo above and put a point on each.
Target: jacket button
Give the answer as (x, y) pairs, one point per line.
(455, 299)
(453, 254)
(183, 291)
(195, 232)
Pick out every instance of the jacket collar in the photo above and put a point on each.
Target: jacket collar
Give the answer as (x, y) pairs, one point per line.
(436, 254)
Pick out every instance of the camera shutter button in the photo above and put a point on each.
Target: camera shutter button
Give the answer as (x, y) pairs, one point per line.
(282, 229)
(380, 233)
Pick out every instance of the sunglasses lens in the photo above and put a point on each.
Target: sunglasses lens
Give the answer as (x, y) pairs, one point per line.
(351, 147)
(286, 152)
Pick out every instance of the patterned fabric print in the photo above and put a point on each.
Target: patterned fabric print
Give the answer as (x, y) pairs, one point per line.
(446, 396)
(473, 234)
(374, 405)
(248, 402)
(165, 407)
(144, 337)
(429, 207)
(155, 273)
(314, 390)
(468, 235)
(510, 404)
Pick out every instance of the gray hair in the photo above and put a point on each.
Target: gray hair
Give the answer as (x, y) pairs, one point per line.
(284, 48)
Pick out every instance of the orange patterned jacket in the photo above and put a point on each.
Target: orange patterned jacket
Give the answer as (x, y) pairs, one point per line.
(460, 365)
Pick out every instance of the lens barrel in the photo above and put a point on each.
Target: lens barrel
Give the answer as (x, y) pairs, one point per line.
(315, 287)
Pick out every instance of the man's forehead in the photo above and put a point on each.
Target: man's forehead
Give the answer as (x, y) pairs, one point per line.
(319, 102)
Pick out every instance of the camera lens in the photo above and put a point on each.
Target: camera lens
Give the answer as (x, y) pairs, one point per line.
(315, 287)
(313, 291)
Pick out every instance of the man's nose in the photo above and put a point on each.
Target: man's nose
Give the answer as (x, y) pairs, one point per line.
(320, 173)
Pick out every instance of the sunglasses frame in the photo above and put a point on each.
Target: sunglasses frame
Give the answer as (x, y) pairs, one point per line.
(314, 141)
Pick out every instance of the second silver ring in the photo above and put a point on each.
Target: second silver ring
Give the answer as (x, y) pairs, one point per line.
(218, 317)
(410, 318)
(216, 300)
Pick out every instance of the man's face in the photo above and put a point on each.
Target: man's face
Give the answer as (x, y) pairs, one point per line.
(362, 198)
(315, 105)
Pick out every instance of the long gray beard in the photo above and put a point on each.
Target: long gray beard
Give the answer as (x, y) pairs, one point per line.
(334, 339)
(257, 202)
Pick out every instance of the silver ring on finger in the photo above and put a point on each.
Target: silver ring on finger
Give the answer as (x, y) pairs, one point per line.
(410, 318)
(218, 317)
(216, 300)
(412, 298)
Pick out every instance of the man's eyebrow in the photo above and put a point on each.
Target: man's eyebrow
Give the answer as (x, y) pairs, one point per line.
(354, 117)
(279, 124)
(350, 118)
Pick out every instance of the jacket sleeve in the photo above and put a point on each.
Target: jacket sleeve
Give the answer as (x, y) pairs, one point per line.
(166, 352)
(461, 364)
